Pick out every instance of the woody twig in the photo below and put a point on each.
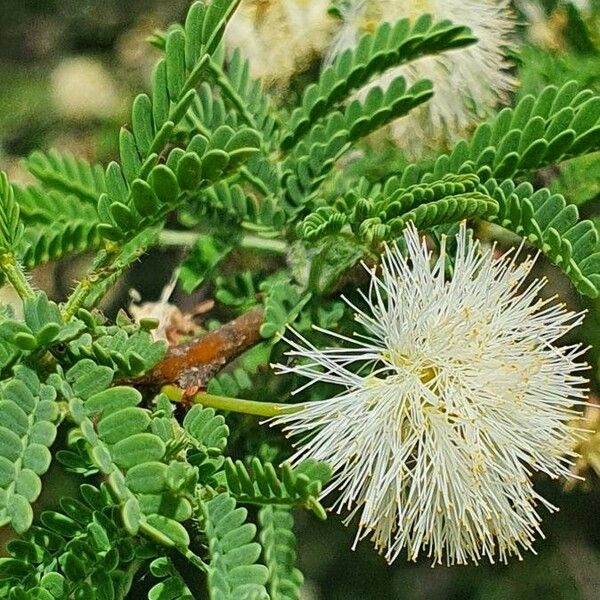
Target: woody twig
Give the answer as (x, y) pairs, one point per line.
(192, 364)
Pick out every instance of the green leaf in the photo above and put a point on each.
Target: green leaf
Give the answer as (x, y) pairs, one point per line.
(37, 458)
(114, 399)
(556, 128)
(164, 184)
(170, 529)
(206, 254)
(208, 429)
(11, 229)
(28, 415)
(144, 198)
(232, 571)
(20, 513)
(88, 379)
(189, 171)
(139, 448)
(390, 45)
(123, 424)
(28, 485)
(147, 478)
(263, 484)
(279, 547)
(65, 173)
(548, 222)
(175, 62)
(337, 255)
(131, 515)
(215, 19)
(214, 162)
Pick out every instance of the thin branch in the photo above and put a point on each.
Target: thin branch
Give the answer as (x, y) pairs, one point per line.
(192, 364)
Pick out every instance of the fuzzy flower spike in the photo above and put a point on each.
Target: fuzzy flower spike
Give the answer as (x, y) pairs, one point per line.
(452, 398)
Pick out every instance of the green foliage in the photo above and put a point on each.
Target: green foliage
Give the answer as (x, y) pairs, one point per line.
(29, 417)
(11, 228)
(543, 130)
(206, 254)
(207, 430)
(290, 487)
(546, 221)
(127, 353)
(232, 204)
(135, 201)
(283, 304)
(366, 216)
(171, 586)
(245, 96)
(56, 224)
(68, 175)
(279, 546)
(232, 572)
(129, 445)
(41, 245)
(77, 552)
(389, 46)
(325, 143)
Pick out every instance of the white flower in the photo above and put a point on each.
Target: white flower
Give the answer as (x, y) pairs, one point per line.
(280, 37)
(454, 395)
(468, 83)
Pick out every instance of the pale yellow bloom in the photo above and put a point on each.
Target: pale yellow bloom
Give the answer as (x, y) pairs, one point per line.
(280, 37)
(453, 395)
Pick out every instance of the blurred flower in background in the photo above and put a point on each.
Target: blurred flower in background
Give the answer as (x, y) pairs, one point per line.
(280, 37)
(468, 83)
(82, 89)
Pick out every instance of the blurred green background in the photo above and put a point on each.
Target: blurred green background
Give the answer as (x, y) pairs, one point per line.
(68, 71)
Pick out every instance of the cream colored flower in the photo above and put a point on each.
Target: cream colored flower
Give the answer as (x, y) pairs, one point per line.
(453, 396)
(82, 89)
(468, 83)
(280, 37)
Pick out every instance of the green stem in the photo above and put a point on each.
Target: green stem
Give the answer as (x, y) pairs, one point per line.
(254, 242)
(170, 237)
(84, 287)
(115, 259)
(187, 239)
(76, 299)
(195, 560)
(247, 407)
(15, 275)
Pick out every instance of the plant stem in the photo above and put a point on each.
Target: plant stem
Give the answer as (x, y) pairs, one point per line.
(80, 293)
(195, 559)
(248, 407)
(254, 242)
(114, 260)
(170, 237)
(15, 275)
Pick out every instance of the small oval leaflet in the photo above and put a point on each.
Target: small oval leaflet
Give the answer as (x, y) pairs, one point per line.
(146, 478)
(139, 448)
(123, 424)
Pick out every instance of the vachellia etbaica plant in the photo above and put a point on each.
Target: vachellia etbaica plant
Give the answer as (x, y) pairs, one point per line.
(417, 369)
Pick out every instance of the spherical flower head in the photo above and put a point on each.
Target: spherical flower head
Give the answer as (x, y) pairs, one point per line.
(453, 395)
(468, 83)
